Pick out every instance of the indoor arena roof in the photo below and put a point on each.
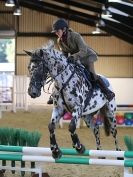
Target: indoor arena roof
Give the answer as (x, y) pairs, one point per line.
(112, 16)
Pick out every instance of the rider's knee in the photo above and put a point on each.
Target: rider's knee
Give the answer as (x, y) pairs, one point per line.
(51, 127)
(72, 126)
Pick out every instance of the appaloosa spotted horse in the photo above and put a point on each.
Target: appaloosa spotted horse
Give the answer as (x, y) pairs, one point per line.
(71, 92)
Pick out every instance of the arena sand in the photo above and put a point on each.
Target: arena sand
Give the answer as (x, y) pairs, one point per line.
(38, 117)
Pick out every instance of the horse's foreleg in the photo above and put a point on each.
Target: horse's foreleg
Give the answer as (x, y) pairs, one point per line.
(56, 152)
(76, 142)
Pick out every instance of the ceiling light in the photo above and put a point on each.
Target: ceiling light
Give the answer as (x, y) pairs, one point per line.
(17, 11)
(10, 3)
(97, 31)
(105, 12)
(106, 15)
(110, 19)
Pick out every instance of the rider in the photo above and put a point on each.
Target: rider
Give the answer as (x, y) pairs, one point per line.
(74, 47)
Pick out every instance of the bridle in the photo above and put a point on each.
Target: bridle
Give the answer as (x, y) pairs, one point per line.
(45, 76)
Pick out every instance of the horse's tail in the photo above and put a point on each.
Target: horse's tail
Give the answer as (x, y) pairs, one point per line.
(107, 124)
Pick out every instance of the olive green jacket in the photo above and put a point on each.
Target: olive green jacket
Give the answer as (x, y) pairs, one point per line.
(77, 47)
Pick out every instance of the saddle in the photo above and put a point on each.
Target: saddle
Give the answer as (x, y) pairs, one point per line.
(91, 82)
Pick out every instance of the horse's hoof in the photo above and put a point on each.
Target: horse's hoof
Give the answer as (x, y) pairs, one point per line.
(81, 150)
(57, 154)
(101, 157)
(120, 158)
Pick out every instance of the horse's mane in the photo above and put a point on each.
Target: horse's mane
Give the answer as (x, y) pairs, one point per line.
(49, 45)
(50, 48)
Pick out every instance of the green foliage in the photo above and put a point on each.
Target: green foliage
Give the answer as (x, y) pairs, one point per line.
(4, 136)
(7, 50)
(129, 142)
(33, 139)
(19, 137)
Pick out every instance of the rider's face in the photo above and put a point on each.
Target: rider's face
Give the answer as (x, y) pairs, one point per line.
(59, 33)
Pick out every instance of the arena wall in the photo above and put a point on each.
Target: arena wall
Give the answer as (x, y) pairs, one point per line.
(122, 87)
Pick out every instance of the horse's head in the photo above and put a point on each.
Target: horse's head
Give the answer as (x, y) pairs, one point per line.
(44, 61)
(38, 71)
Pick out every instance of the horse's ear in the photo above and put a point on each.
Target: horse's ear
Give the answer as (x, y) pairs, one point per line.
(28, 52)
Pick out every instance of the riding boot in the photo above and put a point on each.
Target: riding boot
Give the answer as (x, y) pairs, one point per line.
(108, 93)
(50, 101)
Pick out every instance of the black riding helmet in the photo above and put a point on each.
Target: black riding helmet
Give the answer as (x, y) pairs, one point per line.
(59, 24)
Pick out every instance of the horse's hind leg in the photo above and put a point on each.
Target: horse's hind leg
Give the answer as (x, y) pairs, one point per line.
(72, 129)
(90, 124)
(96, 132)
(110, 114)
(56, 152)
(113, 131)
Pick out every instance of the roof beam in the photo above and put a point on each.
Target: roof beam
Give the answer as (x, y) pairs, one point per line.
(49, 34)
(126, 20)
(122, 7)
(81, 5)
(124, 31)
(111, 30)
(59, 11)
(120, 27)
(125, 6)
(115, 30)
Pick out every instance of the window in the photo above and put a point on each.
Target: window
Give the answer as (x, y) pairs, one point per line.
(7, 68)
(7, 55)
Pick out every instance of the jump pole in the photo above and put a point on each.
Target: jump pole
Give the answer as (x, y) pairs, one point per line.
(67, 160)
(18, 153)
(65, 151)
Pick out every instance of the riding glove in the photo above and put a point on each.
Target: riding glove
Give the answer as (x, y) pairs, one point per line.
(71, 59)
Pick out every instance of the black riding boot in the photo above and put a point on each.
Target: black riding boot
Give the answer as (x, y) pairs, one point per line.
(50, 101)
(108, 93)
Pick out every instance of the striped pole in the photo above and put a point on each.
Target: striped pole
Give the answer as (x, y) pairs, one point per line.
(65, 151)
(67, 160)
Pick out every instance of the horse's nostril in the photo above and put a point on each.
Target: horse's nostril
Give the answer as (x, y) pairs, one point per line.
(33, 95)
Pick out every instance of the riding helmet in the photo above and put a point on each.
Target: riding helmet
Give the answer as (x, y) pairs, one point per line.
(59, 24)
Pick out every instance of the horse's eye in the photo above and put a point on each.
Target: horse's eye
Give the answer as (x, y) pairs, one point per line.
(34, 61)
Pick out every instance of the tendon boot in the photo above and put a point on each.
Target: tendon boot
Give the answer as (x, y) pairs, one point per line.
(50, 101)
(108, 93)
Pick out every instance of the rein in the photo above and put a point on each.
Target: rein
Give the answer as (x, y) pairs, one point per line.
(46, 70)
(61, 91)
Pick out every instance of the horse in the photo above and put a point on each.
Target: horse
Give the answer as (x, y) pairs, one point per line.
(71, 93)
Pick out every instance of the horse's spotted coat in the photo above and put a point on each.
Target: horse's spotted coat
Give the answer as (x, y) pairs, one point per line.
(69, 80)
